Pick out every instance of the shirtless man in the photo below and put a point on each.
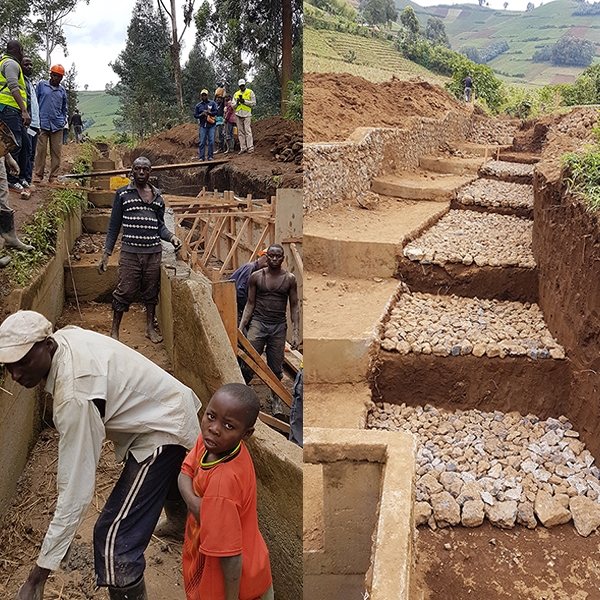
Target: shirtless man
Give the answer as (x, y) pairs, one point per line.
(269, 290)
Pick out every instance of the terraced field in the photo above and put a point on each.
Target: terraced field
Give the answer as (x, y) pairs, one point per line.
(374, 59)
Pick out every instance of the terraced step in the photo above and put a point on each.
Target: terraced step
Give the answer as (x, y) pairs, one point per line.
(353, 242)
(508, 171)
(520, 157)
(471, 253)
(461, 353)
(484, 150)
(420, 186)
(96, 220)
(491, 195)
(101, 199)
(451, 164)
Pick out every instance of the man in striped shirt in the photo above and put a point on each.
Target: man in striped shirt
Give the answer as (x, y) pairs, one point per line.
(140, 210)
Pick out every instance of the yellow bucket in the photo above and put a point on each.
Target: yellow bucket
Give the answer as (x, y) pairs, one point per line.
(118, 181)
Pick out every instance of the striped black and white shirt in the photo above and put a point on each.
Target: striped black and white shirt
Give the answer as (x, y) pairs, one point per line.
(143, 223)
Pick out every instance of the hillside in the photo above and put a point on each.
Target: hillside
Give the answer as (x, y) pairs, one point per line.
(102, 108)
(525, 32)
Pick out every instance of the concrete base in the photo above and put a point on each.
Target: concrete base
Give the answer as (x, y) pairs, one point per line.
(82, 277)
(340, 406)
(367, 515)
(451, 165)
(102, 199)
(96, 221)
(415, 187)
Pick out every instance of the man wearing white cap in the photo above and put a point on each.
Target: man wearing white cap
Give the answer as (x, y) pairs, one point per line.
(206, 113)
(103, 389)
(243, 102)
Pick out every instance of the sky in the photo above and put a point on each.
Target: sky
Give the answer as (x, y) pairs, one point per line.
(96, 34)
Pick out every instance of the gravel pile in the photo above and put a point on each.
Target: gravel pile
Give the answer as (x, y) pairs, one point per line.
(502, 169)
(454, 326)
(508, 468)
(490, 131)
(470, 237)
(492, 193)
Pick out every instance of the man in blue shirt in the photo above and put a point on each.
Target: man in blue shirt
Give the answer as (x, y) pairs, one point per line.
(206, 113)
(52, 100)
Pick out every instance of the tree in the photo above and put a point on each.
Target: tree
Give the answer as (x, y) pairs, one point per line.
(573, 51)
(70, 85)
(505, 5)
(85, 87)
(198, 73)
(378, 11)
(436, 32)
(408, 18)
(147, 97)
(530, 6)
(49, 24)
(14, 20)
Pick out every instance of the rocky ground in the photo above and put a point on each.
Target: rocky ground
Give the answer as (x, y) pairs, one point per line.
(467, 237)
(502, 169)
(452, 325)
(492, 131)
(508, 468)
(490, 193)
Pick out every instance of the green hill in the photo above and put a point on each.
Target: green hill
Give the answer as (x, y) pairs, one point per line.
(102, 108)
(525, 33)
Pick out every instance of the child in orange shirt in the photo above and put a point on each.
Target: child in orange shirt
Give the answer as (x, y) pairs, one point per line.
(224, 554)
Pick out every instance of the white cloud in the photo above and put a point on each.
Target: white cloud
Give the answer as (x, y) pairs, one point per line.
(96, 34)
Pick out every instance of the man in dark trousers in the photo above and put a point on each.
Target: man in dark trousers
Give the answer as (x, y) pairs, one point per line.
(77, 125)
(140, 209)
(269, 291)
(206, 113)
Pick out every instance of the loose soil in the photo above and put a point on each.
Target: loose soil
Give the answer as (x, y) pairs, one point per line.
(335, 104)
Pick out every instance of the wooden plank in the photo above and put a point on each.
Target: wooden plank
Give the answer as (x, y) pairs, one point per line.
(297, 257)
(235, 244)
(273, 422)
(241, 215)
(292, 358)
(189, 165)
(260, 367)
(214, 238)
(224, 296)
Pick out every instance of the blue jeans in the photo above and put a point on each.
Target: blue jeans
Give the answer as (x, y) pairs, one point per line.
(207, 132)
(25, 164)
(14, 121)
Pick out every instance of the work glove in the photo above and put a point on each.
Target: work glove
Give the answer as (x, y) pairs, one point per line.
(103, 264)
(176, 242)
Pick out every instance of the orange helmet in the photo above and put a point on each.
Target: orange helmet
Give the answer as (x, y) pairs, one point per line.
(59, 69)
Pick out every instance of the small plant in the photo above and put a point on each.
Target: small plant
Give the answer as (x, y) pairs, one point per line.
(349, 56)
(41, 233)
(87, 154)
(584, 180)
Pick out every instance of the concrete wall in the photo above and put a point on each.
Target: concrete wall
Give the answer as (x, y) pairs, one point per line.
(203, 359)
(368, 481)
(20, 417)
(342, 170)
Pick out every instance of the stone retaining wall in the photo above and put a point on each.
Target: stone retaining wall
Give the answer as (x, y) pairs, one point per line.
(341, 170)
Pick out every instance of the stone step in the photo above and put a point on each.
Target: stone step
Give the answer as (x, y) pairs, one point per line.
(353, 242)
(420, 186)
(484, 150)
(520, 157)
(508, 171)
(474, 254)
(462, 353)
(451, 165)
(339, 325)
(96, 220)
(101, 199)
(492, 195)
(82, 276)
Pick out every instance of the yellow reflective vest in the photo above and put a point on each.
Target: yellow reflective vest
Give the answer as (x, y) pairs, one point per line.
(6, 96)
(246, 95)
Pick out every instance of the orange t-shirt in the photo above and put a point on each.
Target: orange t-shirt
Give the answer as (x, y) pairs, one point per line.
(228, 527)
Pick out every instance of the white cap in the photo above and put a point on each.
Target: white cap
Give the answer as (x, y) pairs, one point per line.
(19, 332)
(242, 82)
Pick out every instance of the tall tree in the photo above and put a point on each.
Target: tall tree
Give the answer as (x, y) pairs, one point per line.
(14, 20)
(198, 73)
(378, 11)
(408, 18)
(436, 32)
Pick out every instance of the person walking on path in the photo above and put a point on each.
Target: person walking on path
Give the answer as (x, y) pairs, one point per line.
(77, 125)
(224, 554)
(243, 102)
(206, 113)
(52, 99)
(103, 389)
(468, 85)
(13, 101)
(32, 131)
(269, 291)
(140, 209)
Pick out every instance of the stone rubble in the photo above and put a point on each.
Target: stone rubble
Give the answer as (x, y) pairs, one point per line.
(467, 237)
(504, 467)
(492, 193)
(492, 131)
(502, 169)
(457, 326)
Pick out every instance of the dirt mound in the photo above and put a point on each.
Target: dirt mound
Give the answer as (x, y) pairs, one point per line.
(337, 103)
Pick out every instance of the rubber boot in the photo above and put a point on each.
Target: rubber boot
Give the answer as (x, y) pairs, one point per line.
(7, 230)
(137, 591)
(173, 525)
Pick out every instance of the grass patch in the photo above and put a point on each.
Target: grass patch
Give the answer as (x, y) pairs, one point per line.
(584, 179)
(41, 232)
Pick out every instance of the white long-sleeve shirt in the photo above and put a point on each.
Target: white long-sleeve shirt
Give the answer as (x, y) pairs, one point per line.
(145, 408)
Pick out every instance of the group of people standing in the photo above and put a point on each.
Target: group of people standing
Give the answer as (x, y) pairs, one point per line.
(218, 118)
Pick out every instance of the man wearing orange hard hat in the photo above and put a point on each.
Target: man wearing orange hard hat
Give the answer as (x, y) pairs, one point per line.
(52, 100)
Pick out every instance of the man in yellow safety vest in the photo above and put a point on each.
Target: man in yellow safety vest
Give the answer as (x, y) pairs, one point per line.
(243, 102)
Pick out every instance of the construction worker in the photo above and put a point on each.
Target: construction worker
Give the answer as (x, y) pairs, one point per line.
(220, 122)
(52, 99)
(30, 141)
(7, 216)
(243, 102)
(269, 291)
(140, 209)
(13, 101)
(206, 113)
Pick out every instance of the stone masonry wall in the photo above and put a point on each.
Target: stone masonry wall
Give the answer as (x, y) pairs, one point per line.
(341, 170)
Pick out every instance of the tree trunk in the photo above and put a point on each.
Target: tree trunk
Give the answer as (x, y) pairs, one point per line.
(176, 55)
(286, 52)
